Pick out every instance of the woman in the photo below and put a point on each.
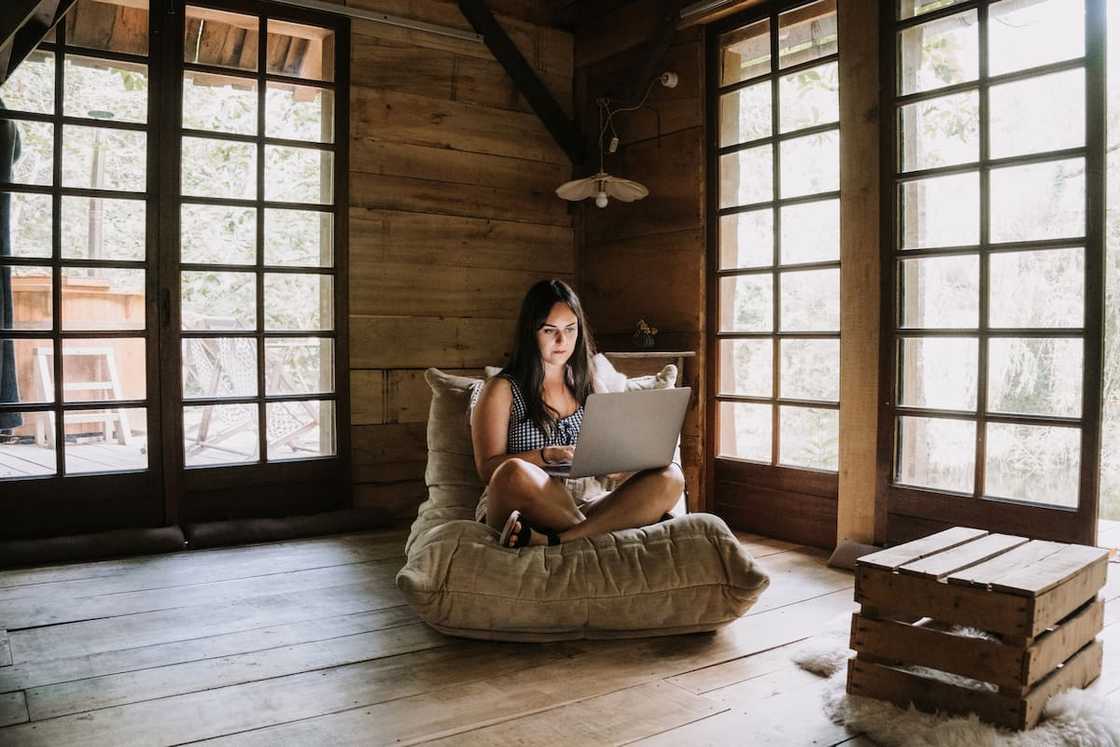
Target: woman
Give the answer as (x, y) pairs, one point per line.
(529, 416)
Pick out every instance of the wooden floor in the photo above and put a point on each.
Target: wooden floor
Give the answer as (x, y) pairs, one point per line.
(309, 642)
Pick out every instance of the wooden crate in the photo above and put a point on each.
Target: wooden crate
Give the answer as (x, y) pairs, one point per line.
(1036, 600)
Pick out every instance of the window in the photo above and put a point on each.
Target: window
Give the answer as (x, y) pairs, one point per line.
(171, 279)
(778, 241)
(996, 255)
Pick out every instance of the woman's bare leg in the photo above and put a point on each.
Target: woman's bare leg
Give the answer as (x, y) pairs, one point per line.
(525, 487)
(641, 500)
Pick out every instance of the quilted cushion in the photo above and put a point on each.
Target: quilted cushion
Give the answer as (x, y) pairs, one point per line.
(684, 575)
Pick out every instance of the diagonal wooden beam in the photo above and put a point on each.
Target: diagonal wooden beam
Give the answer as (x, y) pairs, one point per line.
(23, 25)
(562, 129)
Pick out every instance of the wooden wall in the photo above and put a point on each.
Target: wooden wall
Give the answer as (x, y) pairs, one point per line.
(647, 259)
(452, 218)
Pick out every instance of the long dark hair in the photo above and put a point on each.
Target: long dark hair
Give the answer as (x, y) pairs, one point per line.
(524, 364)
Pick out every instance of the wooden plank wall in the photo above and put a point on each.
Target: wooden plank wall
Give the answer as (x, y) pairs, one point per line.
(646, 259)
(452, 218)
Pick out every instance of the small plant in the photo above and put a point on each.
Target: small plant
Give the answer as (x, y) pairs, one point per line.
(643, 337)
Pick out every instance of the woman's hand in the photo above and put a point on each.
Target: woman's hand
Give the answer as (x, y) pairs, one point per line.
(559, 454)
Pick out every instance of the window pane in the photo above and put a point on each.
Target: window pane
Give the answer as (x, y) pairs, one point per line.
(103, 158)
(807, 33)
(299, 112)
(811, 370)
(29, 452)
(30, 87)
(300, 51)
(300, 430)
(219, 103)
(940, 292)
(1028, 33)
(811, 232)
(810, 301)
(940, 132)
(217, 234)
(911, 8)
(744, 430)
(219, 168)
(810, 438)
(101, 228)
(110, 440)
(937, 453)
(1038, 114)
(35, 164)
(105, 89)
(300, 238)
(219, 300)
(745, 53)
(215, 37)
(112, 27)
(1039, 201)
(1038, 289)
(29, 224)
(746, 367)
(299, 365)
(745, 114)
(1110, 426)
(104, 369)
(1033, 463)
(298, 174)
(298, 302)
(746, 239)
(1035, 376)
(942, 211)
(98, 298)
(938, 373)
(746, 176)
(939, 53)
(33, 382)
(219, 367)
(810, 97)
(811, 164)
(220, 434)
(31, 297)
(746, 303)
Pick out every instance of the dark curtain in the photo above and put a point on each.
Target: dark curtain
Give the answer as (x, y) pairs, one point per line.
(9, 387)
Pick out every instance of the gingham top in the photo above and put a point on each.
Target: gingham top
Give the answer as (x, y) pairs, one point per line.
(525, 435)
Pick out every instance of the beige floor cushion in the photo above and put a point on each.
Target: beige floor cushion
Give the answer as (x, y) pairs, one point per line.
(684, 575)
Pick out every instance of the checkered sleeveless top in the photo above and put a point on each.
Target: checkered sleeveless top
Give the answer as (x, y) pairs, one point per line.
(525, 435)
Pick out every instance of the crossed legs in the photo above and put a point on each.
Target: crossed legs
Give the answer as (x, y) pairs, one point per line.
(544, 502)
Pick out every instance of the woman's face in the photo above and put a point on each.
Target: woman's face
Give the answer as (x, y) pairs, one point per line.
(557, 336)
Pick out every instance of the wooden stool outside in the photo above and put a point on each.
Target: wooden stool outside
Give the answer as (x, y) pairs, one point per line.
(1037, 599)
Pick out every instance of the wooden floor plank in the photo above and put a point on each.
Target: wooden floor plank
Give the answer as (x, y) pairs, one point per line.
(728, 728)
(5, 650)
(41, 673)
(761, 547)
(229, 710)
(36, 612)
(165, 626)
(616, 718)
(799, 575)
(13, 709)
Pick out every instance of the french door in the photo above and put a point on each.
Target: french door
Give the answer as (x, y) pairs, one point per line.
(173, 267)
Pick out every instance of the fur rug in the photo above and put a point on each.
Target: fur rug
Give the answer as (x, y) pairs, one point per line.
(1071, 719)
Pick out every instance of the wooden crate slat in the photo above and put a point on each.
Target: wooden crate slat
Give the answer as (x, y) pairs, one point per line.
(894, 557)
(964, 605)
(1050, 571)
(904, 688)
(1060, 601)
(1078, 671)
(1009, 562)
(1055, 646)
(978, 658)
(963, 556)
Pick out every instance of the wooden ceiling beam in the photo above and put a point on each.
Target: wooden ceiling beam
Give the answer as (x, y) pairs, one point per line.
(23, 24)
(528, 84)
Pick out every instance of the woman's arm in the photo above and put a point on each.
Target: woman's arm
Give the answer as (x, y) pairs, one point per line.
(490, 431)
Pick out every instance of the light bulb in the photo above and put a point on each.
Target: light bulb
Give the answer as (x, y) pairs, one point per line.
(601, 200)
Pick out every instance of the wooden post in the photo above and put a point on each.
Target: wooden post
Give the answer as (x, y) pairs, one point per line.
(858, 24)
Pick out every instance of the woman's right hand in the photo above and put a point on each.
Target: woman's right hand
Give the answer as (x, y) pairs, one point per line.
(559, 454)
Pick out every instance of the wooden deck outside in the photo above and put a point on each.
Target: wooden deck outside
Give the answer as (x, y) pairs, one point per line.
(310, 642)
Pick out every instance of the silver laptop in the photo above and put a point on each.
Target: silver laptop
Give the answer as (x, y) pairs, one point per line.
(627, 432)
